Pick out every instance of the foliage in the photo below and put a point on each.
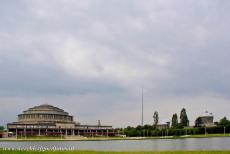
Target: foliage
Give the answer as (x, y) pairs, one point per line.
(149, 131)
(146, 130)
(184, 122)
(155, 118)
(224, 122)
(1, 128)
(174, 121)
(178, 129)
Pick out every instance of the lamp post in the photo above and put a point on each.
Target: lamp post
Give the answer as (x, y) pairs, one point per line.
(205, 131)
(224, 130)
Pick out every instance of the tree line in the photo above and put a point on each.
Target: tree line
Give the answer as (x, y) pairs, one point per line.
(184, 122)
(179, 126)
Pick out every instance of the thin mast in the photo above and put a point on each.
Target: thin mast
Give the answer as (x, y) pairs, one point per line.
(142, 110)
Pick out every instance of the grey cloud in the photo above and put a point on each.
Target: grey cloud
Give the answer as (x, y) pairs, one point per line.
(22, 77)
(112, 48)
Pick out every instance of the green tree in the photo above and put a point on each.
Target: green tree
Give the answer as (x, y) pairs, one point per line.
(155, 118)
(184, 118)
(1, 128)
(224, 122)
(139, 127)
(148, 127)
(174, 121)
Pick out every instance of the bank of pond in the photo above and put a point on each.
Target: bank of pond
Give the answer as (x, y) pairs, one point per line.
(148, 130)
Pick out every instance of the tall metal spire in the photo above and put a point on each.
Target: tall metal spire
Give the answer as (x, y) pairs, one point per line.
(142, 109)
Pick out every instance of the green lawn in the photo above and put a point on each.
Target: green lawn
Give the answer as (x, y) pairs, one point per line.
(98, 152)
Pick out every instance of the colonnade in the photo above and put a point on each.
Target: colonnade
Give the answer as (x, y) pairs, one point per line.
(62, 132)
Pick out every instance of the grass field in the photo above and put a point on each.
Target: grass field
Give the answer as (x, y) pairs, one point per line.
(98, 152)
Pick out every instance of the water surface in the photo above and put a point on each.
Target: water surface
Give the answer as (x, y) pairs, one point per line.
(217, 143)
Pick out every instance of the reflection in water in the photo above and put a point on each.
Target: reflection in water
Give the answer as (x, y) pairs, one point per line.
(130, 145)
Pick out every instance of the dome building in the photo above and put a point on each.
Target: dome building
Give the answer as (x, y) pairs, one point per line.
(205, 120)
(50, 120)
(45, 113)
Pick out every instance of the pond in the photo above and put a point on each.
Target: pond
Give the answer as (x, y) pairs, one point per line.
(217, 143)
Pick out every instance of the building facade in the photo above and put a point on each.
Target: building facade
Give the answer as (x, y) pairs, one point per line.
(47, 120)
(163, 126)
(206, 120)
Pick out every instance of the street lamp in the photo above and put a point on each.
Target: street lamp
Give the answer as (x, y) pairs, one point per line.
(224, 130)
(205, 131)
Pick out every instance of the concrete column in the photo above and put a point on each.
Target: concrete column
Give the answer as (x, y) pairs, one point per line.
(78, 132)
(107, 131)
(39, 132)
(73, 133)
(66, 132)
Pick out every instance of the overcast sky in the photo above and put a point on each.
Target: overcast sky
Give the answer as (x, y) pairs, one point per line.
(92, 57)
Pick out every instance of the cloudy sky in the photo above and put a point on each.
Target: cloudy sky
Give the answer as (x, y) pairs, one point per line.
(92, 57)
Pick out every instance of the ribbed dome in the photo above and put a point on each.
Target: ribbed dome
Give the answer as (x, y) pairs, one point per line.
(45, 113)
(207, 114)
(45, 109)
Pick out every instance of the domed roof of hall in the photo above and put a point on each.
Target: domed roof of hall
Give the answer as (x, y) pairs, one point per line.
(207, 114)
(45, 109)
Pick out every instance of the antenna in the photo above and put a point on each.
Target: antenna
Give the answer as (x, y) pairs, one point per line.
(142, 110)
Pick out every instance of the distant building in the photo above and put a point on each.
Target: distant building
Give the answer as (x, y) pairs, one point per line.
(206, 120)
(162, 126)
(49, 120)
